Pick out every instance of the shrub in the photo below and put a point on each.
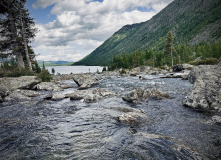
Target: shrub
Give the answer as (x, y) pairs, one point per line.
(36, 68)
(19, 72)
(45, 75)
(122, 71)
(207, 61)
(104, 69)
(53, 71)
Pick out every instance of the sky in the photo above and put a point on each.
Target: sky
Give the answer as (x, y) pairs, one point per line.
(69, 30)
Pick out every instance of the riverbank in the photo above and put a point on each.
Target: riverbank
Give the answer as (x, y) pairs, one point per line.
(57, 120)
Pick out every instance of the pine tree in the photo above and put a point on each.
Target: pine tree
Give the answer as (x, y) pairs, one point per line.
(168, 49)
(17, 30)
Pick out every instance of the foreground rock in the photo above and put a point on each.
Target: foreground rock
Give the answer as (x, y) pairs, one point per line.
(84, 81)
(143, 94)
(90, 95)
(206, 92)
(9, 84)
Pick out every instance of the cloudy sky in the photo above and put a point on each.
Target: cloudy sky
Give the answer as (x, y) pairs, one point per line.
(71, 29)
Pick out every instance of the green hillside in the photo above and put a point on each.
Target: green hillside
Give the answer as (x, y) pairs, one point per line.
(192, 22)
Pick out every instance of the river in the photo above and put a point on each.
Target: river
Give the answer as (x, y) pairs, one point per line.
(75, 130)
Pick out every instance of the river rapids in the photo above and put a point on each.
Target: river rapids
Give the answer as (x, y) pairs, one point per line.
(74, 130)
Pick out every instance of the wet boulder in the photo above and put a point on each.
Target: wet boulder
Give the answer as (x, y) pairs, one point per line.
(205, 94)
(84, 81)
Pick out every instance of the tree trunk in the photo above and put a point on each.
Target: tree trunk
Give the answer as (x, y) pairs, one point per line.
(18, 55)
(25, 43)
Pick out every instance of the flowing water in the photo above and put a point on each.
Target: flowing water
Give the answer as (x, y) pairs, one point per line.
(54, 130)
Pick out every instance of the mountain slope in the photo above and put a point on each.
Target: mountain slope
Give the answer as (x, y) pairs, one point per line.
(191, 21)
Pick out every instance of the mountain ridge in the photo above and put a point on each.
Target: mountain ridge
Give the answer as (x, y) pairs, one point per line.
(192, 22)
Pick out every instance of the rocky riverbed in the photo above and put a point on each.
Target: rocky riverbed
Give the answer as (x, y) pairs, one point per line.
(139, 115)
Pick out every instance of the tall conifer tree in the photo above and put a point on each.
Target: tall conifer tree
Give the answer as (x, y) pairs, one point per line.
(168, 49)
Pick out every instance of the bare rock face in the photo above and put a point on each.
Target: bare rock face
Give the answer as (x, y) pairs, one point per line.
(143, 94)
(84, 81)
(206, 91)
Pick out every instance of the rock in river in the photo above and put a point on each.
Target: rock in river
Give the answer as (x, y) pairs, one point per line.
(134, 118)
(84, 81)
(143, 94)
(206, 91)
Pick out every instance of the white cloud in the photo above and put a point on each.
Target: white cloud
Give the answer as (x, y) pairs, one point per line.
(83, 25)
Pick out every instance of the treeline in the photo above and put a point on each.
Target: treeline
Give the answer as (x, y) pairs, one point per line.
(181, 53)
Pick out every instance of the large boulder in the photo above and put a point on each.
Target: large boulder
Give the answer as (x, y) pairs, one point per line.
(24, 82)
(9, 84)
(206, 91)
(21, 94)
(84, 81)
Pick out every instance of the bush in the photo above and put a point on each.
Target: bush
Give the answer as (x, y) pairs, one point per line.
(45, 75)
(104, 69)
(122, 71)
(36, 68)
(53, 71)
(207, 61)
(19, 72)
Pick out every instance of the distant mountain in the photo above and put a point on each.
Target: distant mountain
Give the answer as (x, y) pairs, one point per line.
(54, 63)
(192, 21)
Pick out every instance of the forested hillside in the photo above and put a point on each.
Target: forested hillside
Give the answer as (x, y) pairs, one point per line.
(191, 22)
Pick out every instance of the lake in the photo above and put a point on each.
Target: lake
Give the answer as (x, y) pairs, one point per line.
(74, 69)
